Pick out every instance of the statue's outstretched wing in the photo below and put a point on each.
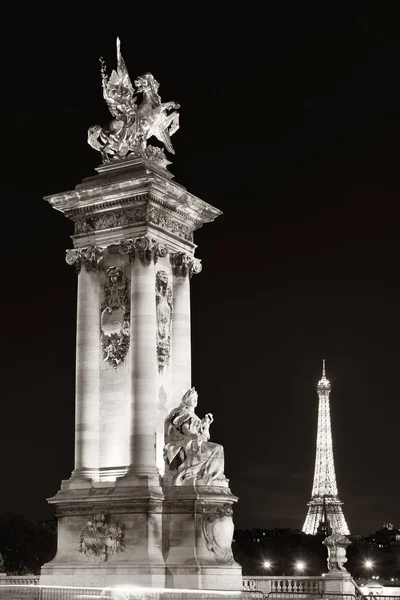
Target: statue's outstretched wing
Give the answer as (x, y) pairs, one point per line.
(118, 90)
(163, 136)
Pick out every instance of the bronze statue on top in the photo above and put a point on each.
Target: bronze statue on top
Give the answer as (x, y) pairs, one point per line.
(133, 122)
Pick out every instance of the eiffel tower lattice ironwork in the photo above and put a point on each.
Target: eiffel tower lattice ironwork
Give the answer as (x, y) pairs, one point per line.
(325, 503)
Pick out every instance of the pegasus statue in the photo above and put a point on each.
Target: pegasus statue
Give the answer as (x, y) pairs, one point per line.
(137, 116)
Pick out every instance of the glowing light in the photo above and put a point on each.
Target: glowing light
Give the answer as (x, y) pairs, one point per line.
(368, 564)
(267, 564)
(300, 565)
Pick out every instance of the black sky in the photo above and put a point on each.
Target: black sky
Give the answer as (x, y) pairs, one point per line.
(290, 124)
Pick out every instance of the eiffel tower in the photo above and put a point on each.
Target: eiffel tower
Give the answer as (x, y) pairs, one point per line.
(325, 504)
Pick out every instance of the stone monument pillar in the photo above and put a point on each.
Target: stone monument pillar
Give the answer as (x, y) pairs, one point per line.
(145, 505)
(338, 580)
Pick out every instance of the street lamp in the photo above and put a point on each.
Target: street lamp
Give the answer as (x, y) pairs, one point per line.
(368, 565)
(300, 566)
(267, 564)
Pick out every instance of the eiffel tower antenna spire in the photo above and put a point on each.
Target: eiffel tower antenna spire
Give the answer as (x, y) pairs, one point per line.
(325, 503)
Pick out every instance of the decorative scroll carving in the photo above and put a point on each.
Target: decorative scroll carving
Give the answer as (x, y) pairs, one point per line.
(130, 216)
(134, 122)
(108, 220)
(115, 317)
(164, 318)
(189, 455)
(89, 257)
(159, 218)
(145, 247)
(337, 545)
(101, 537)
(218, 532)
(184, 263)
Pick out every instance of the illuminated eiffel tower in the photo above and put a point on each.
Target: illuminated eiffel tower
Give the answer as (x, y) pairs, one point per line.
(325, 503)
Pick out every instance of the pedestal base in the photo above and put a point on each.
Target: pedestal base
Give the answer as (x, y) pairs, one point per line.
(197, 538)
(339, 582)
(137, 535)
(107, 535)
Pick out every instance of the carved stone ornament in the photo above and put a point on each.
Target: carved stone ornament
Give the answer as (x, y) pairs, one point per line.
(138, 114)
(101, 537)
(218, 531)
(115, 317)
(184, 263)
(337, 545)
(89, 257)
(164, 318)
(138, 214)
(188, 454)
(144, 247)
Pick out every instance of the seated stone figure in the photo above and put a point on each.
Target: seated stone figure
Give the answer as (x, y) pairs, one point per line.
(188, 453)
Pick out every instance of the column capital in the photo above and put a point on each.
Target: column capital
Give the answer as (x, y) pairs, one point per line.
(90, 257)
(184, 264)
(144, 247)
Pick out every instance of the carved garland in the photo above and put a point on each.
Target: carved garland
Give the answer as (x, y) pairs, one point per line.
(138, 214)
(115, 317)
(101, 537)
(164, 318)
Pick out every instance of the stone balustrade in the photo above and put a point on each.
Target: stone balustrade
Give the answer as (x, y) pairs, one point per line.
(297, 585)
(19, 579)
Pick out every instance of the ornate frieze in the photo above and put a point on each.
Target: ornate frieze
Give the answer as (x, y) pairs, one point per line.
(184, 263)
(116, 218)
(161, 219)
(164, 318)
(115, 317)
(218, 532)
(87, 224)
(89, 257)
(144, 247)
(101, 537)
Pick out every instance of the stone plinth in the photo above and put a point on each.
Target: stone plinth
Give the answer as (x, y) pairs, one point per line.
(197, 538)
(337, 582)
(107, 535)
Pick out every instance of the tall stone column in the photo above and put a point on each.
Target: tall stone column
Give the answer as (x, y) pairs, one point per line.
(87, 396)
(143, 252)
(183, 265)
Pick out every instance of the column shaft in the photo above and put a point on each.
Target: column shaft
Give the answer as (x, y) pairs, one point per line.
(181, 346)
(144, 368)
(87, 373)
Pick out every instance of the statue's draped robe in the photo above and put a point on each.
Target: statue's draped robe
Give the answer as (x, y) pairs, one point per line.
(188, 453)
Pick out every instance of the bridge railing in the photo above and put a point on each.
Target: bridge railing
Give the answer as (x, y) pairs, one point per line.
(294, 585)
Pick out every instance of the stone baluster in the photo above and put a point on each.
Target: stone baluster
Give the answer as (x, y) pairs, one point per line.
(86, 261)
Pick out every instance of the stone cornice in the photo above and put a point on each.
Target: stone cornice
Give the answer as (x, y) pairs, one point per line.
(103, 193)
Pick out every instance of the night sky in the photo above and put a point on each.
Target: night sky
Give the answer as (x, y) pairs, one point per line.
(290, 124)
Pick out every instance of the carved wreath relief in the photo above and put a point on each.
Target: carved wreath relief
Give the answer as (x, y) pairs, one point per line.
(115, 317)
(101, 537)
(218, 532)
(164, 318)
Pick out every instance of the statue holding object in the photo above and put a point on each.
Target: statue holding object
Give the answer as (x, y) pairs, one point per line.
(134, 122)
(188, 453)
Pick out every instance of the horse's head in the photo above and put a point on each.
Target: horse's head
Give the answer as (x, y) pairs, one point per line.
(147, 84)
